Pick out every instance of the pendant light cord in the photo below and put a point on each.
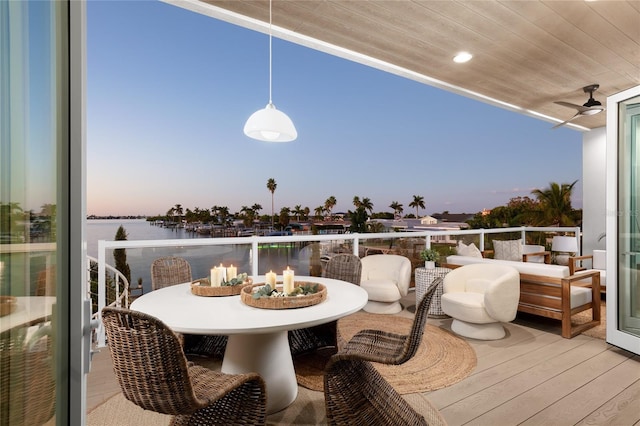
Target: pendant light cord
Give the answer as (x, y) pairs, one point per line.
(270, 53)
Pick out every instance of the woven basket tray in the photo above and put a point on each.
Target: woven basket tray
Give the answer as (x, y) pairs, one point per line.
(8, 304)
(285, 302)
(202, 287)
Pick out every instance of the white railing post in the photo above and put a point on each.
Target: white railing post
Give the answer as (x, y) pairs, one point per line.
(254, 256)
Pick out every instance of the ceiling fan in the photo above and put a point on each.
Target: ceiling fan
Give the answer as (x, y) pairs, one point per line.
(591, 107)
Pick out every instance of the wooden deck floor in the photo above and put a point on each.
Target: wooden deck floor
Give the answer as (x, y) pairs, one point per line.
(531, 377)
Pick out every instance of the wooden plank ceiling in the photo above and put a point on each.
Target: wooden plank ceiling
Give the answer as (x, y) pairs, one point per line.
(526, 53)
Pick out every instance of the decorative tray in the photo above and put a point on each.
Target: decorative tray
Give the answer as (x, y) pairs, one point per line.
(284, 302)
(8, 304)
(202, 287)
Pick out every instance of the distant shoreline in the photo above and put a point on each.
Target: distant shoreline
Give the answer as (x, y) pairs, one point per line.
(92, 217)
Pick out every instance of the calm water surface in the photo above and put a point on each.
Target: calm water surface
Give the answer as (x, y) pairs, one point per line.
(202, 259)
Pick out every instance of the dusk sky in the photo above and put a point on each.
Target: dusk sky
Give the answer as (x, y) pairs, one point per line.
(169, 91)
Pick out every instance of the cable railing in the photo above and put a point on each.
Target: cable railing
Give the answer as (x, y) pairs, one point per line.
(358, 244)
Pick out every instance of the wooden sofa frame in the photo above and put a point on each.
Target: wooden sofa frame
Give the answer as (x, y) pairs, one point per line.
(550, 297)
(575, 265)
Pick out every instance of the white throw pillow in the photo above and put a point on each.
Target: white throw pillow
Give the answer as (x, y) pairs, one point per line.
(468, 250)
(508, 250)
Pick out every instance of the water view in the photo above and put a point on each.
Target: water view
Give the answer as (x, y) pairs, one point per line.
(274, 257)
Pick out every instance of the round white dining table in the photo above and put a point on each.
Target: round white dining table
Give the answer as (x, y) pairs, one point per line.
(258, 339)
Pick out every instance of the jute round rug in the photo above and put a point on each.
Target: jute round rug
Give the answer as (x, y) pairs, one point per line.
(442, 358)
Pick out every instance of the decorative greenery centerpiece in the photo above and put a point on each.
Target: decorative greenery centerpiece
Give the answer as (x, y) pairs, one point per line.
(430, 255)
(268, 296)
(301, 290)
(240, 279)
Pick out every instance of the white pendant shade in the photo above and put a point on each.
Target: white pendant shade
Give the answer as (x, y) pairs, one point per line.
(270, 125)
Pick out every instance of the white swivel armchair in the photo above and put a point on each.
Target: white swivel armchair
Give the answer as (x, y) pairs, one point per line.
(386, 278)
(479, 297)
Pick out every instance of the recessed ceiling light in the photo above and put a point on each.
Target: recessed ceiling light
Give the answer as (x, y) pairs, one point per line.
(462, 57)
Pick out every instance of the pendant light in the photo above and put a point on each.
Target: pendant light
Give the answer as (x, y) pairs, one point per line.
(270, 124)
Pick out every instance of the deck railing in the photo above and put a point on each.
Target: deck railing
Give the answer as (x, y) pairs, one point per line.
(354, 240)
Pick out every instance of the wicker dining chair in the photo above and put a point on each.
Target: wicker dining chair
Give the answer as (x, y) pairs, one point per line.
(171, 270)
(345, 267)
(357, 394)
(392, 348)
(153, 373)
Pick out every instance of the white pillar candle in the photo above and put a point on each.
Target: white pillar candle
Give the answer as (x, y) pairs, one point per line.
(288, 280)
(271, 279)
(223, 273)
(215, 277)
(232, 272)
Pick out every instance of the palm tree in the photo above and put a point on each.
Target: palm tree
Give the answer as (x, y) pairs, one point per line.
(556, 204)
(318, 211)
(297, 210)
(356, 201)
(397, 209)
(272, 185)
(171, 213)
(248, 216)
(367, 204)
(223, 212)
(418, 202)
(329, 204)
(178, 210)
(256, 209)
(284, 216)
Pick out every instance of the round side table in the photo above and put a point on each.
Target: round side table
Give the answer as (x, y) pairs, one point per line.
(424, 278)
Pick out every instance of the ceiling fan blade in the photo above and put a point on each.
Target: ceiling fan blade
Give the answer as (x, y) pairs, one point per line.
(565, 122)
(580, 108)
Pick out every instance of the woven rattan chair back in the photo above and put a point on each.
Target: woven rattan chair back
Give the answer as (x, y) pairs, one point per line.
(153, 373)
(357, 394)
(345, 267)
(149, 362)
(170, 270)
(419, 323)
(391, 348)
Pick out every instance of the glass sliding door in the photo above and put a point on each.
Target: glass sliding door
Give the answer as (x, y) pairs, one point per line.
(623, 128)
(39, 372)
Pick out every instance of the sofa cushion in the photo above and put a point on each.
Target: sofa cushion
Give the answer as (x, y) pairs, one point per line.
(556, 271)
(508, 250)
(603, 276)
(580, 296)
(599, 259)
(468, 250)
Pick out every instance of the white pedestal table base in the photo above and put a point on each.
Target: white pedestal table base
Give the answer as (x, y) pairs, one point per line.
(268, 355)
